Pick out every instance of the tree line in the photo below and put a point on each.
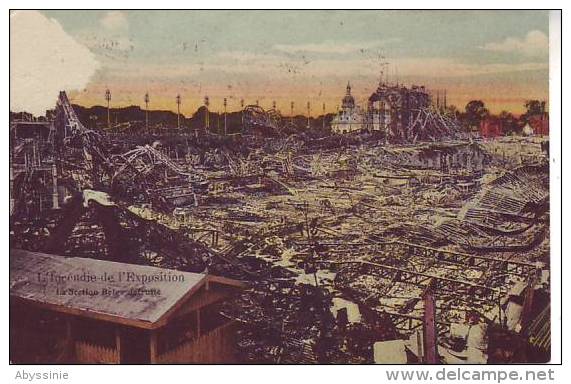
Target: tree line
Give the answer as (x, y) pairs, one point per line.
(475, 111)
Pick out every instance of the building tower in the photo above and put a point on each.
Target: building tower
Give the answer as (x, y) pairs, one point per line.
(178, 112)
(349, 117)
(108, 98)
(147, 111)
(348, 102)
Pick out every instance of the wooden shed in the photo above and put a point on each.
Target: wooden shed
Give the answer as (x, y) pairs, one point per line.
(78, 310)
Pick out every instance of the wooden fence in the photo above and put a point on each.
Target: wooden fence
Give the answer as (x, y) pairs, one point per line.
(90, 353)
(216, 346)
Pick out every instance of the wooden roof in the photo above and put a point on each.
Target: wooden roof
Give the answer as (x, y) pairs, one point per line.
(33, 279)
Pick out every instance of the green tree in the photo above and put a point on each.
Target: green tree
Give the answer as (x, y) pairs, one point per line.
(475, 111)
(534, 107)
(509, 123)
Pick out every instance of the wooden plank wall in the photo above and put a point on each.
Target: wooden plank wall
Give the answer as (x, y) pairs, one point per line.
(216, 346)
(90, 353)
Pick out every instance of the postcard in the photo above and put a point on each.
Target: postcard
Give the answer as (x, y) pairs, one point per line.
(280, 187)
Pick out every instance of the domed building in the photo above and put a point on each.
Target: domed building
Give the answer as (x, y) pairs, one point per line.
(350, 118)
(348, 101)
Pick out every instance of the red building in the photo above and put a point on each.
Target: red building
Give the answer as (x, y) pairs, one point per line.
(491, 127)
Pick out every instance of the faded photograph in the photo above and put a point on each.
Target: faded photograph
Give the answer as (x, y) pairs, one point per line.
(279, 187)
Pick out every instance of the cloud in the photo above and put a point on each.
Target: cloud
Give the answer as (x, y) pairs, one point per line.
(331, 46)
(44, 59)
(534, 44)
(112, 40)
(114, 20)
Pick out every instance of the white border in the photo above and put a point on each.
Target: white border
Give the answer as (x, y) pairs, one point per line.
(555, 178)
(287, 374)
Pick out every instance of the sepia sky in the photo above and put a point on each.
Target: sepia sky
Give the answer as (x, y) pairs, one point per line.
(500, 57)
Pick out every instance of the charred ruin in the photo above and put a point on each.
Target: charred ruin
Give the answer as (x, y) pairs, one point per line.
(408, 241)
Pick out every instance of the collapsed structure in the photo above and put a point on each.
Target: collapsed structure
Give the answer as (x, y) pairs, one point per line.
(415, 247)
(400, 114)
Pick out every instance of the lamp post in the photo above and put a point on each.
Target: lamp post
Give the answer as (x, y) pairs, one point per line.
(178, 112)
(225, 117)
(147, 111)
(242, 112)
(323, 118)
(207, 114)
(308, 114)
(108, 98)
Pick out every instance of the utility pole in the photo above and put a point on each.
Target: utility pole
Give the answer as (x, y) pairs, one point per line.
(323, 118)
(147, 111)
(108, 98)
(274, 105)
(430, 334)
(242, 112)
(291, 113)
(308, 114)
(225, 117)
(178, 112)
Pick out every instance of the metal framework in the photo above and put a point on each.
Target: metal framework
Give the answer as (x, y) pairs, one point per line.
(271, 121)
(73, 132)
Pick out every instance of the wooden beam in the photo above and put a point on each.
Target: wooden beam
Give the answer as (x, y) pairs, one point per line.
(84, 313)
(198, 322)
(227, 281)
(173, 309)
(429, 328)
(70, 345)
(153, 347)
(118, 343)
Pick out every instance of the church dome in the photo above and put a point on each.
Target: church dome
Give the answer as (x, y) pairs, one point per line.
(348, 101)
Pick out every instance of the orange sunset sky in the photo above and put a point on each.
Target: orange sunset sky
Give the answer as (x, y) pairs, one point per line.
(500, 57)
